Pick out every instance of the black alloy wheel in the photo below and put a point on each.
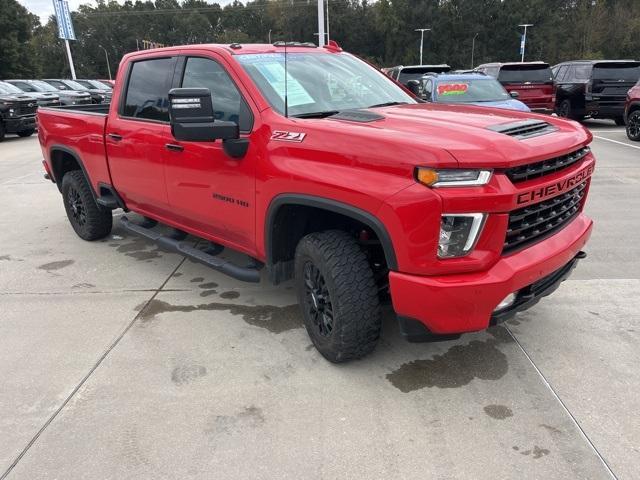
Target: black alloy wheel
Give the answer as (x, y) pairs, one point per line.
(633, 126)
(318, 300)
(76, 205)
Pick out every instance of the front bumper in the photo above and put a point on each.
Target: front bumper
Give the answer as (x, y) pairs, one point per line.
(19, 124)
(450, 304)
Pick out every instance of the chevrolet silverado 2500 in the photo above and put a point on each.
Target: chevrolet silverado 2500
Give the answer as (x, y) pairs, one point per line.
(322, 170)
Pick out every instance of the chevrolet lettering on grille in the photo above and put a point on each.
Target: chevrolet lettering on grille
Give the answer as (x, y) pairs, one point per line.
(555, 188)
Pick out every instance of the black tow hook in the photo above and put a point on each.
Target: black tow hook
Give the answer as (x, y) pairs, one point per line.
(580, 255)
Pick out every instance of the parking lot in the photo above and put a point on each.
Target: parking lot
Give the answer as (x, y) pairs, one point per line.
(119, 360)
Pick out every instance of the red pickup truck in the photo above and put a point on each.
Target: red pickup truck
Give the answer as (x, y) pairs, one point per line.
(323, 170)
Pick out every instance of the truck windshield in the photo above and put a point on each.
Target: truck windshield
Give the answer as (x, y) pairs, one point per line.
(619, 72)
(9, 88)
(75, 85)
(320, 83)
(537, 73)
(43, 86)
(472, 90)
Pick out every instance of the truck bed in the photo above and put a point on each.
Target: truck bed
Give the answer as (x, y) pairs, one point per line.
(102, 108)
(80, 129)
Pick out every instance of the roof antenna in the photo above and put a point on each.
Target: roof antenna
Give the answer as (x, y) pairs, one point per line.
(286, 96)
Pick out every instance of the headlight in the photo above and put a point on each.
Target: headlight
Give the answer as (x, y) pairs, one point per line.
(452, 178)
(459, 233)
(12, 112)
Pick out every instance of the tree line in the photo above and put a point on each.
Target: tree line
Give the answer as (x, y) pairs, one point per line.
(381, 31)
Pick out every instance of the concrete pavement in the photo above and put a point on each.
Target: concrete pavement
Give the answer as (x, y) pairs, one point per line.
(122, 361)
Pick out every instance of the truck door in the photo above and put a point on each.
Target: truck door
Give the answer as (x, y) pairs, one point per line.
(211, 191)
(137, 132)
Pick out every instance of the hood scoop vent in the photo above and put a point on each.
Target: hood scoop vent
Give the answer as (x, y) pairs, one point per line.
(524, 129)
(361, 116)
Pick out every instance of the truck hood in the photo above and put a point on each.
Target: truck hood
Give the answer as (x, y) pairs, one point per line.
(73, 94)
(475, 136)
(16, 98)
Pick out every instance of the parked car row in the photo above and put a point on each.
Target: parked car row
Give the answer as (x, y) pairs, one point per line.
(19, 99)
(576, 90)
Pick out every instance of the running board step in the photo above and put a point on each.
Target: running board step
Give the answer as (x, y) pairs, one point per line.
(108, 201)
(168, 243)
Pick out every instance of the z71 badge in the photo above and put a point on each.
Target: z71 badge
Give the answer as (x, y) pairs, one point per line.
(288, 136)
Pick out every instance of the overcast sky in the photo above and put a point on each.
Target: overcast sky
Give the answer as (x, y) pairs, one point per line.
(44, 8)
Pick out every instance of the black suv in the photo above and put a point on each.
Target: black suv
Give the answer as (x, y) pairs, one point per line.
(594, 88)
(17, 113)
(403, 74)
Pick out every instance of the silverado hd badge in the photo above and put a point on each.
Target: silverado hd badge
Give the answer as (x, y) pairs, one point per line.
(288, 136)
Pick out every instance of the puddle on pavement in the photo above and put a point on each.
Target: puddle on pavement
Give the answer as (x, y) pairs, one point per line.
(138, 248)
(229, 295)
(249, 418)
(457, 367)
(498, 412)
(275, 319)
(536, 452)
(187, 373)
(49, 267)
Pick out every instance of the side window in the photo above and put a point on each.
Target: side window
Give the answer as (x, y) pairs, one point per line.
(148, 89)
(428, 89)
(561, 73)
(570, 76)
(493, 71)
(582, 72)
(228, 104)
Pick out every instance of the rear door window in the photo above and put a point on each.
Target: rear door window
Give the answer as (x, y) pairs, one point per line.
(561, 73)
(147, 96)
(526, 73)
(582, 73)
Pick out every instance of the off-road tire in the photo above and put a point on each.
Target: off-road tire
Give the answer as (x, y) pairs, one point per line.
(88, 219)
(633, 126)
(26, 133)
(352, 295)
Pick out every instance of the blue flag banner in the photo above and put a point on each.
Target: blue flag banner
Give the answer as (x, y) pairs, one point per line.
(521, 44)
(65, 27)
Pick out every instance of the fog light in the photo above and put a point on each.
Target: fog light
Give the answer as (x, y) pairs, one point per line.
(506, 302)
(458, 234)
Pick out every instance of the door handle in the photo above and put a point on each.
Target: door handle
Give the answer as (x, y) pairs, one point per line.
(173, 147)
(114, 136)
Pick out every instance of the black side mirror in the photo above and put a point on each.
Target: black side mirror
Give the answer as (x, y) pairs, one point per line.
(414, 86)
(514, 94)
(192, 117)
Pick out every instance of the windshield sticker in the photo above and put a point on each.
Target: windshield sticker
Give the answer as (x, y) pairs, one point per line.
(445, 89)
(274, 74)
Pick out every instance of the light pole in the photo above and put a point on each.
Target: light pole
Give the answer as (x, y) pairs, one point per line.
(422, 30)
(269, 35)
(107, 57)
(321, 23)
(523, 42)
(473, 48)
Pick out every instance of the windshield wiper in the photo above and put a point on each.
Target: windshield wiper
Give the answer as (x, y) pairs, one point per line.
(387, 104)
(326, 113)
